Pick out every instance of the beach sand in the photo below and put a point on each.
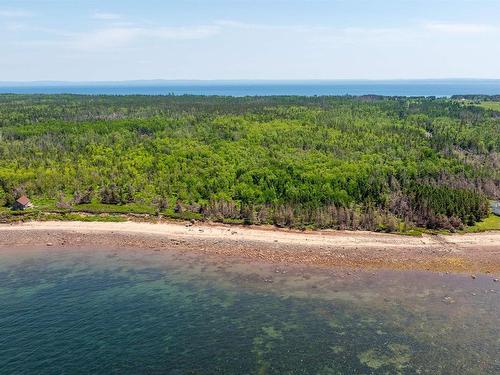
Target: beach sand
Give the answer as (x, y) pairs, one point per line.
(467, 253)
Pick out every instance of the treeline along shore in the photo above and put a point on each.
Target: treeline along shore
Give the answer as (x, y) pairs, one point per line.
(372, 163)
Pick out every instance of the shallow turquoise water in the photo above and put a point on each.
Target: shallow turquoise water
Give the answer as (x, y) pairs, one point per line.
(142, 311)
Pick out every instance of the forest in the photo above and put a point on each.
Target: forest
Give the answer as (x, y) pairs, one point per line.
(370, 162)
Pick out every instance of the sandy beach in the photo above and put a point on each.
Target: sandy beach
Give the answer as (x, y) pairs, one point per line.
(468, 253)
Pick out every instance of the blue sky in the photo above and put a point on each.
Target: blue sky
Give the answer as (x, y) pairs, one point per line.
(92, 40)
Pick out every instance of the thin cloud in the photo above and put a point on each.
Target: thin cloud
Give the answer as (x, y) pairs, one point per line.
(307, 29)
(14, 26)
(460, 28)
(14, 20)
(126, 36)
(14, 13)
(330, 34)
(106, 16)
(269, 27)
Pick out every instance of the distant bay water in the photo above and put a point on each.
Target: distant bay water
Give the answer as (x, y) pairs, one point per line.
(438, 88)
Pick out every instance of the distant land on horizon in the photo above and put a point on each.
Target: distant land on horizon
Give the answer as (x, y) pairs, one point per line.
(245, 81)
(396, 87)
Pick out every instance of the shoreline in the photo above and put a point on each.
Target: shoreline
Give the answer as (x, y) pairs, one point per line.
(460, 253)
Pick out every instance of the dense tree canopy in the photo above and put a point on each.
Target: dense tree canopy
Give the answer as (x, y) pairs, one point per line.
(344, 162)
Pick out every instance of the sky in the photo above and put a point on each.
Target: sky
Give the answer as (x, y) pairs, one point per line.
(112, 40)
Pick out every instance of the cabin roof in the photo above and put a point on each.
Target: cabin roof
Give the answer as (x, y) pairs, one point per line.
(23, 200)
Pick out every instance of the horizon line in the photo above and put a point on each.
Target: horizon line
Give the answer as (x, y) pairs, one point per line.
(297, 80)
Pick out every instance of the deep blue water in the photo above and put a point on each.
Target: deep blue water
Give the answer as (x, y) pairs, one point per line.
(439, 88)
(65, 311)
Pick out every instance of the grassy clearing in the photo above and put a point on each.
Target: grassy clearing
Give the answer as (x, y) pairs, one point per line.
(492, 222)
(88, 218)
(38, 215)
(46, 209)
(131, 208)
(495, 106)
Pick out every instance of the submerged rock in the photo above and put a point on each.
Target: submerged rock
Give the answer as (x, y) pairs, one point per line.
(396, 356)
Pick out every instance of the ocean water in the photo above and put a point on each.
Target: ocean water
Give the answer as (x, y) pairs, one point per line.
(438, 88)
(85, 311)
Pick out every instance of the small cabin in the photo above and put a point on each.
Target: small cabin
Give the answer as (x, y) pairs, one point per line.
(22, 203)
